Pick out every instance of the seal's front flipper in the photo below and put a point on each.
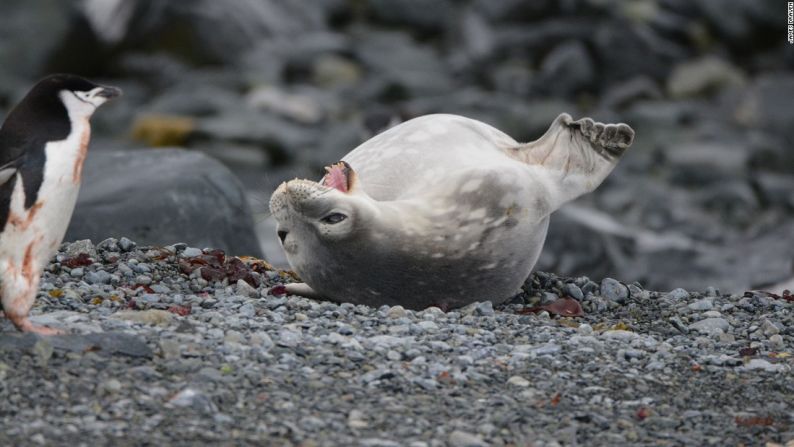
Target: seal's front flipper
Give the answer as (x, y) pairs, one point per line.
(579, 154)
(302, 289)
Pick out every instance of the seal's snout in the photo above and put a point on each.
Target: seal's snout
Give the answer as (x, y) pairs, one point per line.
(282, 234)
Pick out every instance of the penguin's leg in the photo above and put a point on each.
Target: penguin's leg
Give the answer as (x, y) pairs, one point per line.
(18, 289)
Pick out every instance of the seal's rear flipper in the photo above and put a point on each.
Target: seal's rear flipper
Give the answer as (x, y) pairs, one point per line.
(579, 154)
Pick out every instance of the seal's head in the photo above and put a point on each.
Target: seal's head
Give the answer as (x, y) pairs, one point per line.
(319, 221)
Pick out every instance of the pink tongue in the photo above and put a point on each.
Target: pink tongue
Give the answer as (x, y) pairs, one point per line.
(336, 177)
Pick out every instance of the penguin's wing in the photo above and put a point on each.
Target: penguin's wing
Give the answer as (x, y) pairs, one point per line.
(6, 172)
(25, 156)
(12, 154)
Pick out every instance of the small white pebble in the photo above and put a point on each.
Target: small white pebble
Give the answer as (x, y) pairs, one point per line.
(518, 381)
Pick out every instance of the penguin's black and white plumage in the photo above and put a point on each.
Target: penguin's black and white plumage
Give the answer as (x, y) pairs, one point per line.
(43, 144)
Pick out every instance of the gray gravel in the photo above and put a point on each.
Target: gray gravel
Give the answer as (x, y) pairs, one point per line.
(157, 354)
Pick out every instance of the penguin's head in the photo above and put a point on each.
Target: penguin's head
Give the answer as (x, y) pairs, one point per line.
(80, 96)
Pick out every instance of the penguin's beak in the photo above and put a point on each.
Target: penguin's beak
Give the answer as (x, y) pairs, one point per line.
(109, 92)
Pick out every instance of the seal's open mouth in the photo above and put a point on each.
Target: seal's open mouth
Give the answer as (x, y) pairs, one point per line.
(338, 176)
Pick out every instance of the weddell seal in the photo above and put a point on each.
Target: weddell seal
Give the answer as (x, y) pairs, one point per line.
(440, 210)
(43, 143)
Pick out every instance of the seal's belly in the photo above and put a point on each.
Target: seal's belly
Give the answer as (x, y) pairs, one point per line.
(454, 267)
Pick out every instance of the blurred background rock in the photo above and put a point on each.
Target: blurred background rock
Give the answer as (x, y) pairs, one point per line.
(275, 89)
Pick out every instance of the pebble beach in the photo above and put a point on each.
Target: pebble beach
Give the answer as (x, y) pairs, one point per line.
(177, 345)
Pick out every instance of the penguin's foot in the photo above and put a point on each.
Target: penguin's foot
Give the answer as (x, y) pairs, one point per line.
(24, 325)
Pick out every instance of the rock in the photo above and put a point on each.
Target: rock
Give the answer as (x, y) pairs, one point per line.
(704, 304)
(191, 252)
(111, 386)
(203, 31)
(126, 244)
(614, 291)
(765, 104)
(677, 294)
(401, 67)
(336, 142)
(387, 341)
(512, 77)
(298, 107)
(192, 398)
(710, 325)
(281, 137)
(514, 10)
(761, 364)
(626, 50)
(566, 70)
(158, 197)
(776, 189)
(100, 277)
(769, 328)
(689, 160)
(143, 280)
(625, 93)
(289, 338)
(105, 343)
(396, 312)
(42, 351)
(170, 114)
(170, 349)
(245, 289)
(703, 76)
(518, 381)
(735, 22)
(428, 326)
(81, 247)
(331, 71)
(460, 438)
(160, 130)
(356, 420)
(31, 32)
(776, 341)
(427, 15)
(484, 308)
(619, 334)
(678, 324)
(573, 291)
(149, 316)
(542, 35)
(476, 35)
(377, 442)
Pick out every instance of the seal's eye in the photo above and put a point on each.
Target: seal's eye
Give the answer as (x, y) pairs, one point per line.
(333, 218)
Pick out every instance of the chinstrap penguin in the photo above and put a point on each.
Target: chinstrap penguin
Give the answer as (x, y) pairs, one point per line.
(43, 144)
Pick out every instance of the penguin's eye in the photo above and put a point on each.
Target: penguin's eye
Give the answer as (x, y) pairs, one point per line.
(333, 218)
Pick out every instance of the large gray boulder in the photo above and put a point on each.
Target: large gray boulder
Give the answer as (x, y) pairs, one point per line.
(163, 196)
(30, 30)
